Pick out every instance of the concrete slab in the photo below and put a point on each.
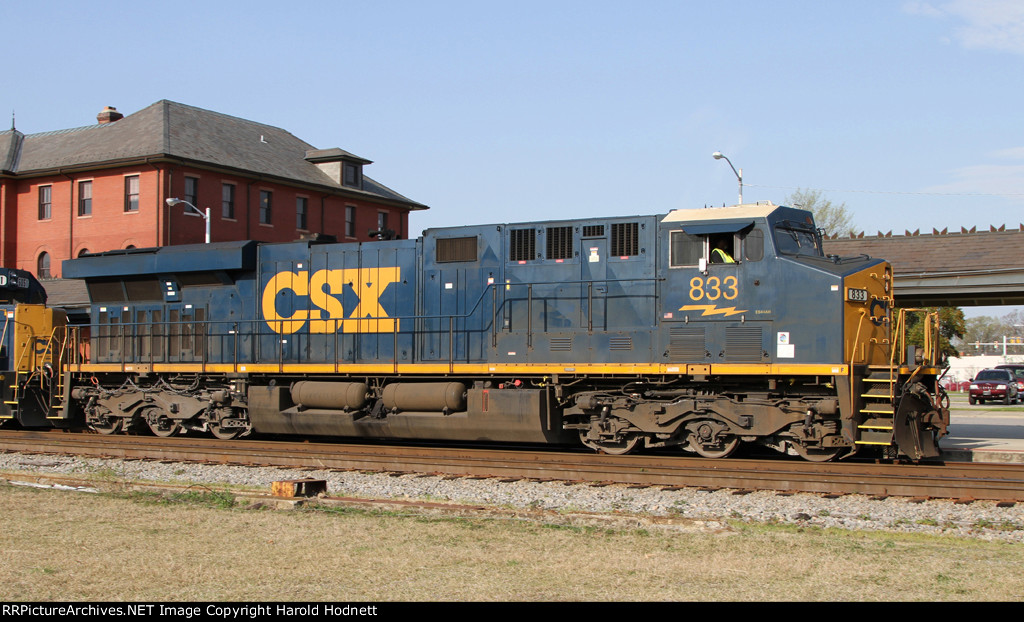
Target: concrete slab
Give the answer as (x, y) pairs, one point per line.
(983, 433)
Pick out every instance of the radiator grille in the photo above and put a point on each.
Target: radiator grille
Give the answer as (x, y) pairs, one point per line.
(620, 343)
(559, 243)
(743, 343)
(561, 344)
(625, 239)
(522, 245)
(456, 249)
(687, 343)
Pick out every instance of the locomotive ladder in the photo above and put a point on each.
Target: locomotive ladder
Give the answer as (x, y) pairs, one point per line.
(878, 409)
(21, 378)
(53, 357)
(14, 401)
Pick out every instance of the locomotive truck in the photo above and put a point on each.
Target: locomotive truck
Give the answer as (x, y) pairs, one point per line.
(700, 329)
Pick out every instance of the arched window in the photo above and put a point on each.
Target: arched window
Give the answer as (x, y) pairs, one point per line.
(43, 265)
(83, 252)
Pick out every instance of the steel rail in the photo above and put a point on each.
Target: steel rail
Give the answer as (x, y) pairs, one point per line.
(966, 481)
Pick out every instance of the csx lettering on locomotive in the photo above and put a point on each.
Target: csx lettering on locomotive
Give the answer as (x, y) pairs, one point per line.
(329, 314)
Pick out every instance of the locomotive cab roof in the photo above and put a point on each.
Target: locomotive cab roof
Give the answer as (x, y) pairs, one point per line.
(20, 286)
(746, 212)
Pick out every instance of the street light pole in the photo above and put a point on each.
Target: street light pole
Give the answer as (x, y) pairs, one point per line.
(206, 216)
(739, 174)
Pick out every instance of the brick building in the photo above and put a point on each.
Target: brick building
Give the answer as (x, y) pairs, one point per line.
(105, 186)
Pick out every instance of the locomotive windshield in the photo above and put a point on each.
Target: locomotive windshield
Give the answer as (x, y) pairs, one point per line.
(796, 239)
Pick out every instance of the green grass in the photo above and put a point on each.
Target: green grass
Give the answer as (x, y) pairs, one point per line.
(200, 545)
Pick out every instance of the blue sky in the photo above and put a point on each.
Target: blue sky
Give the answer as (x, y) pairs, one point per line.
(909, 112)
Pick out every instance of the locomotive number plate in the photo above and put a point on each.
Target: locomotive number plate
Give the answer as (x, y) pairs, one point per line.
(857, 295)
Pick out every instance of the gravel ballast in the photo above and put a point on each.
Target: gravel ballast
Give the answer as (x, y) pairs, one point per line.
(980, 519)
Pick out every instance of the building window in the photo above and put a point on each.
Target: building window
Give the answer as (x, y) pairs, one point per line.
(301, 210)
(266, 198)
(131, 193)
(45, 203)
(382, 221)
(227, 200)
(83, 252)
(192, 190)
(43, 266)
(350, 221)
(84, 198)
(353, 176)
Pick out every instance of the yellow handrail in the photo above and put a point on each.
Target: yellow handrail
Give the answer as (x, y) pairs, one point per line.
(7, 322)
(853, 355)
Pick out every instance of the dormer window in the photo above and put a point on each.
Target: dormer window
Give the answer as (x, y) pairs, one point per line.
(353, 175)
(342, 167)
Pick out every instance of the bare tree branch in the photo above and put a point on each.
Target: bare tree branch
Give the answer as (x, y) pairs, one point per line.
(832, 217)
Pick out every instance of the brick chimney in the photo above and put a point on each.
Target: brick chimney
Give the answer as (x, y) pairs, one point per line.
(109, 115)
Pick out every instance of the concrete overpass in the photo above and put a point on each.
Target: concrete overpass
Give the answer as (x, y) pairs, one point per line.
(942, 268)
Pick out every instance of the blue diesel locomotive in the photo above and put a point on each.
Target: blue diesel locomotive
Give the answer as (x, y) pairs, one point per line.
(700, 329)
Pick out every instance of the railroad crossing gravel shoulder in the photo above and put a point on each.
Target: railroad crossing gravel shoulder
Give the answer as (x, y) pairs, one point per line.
(980, 519)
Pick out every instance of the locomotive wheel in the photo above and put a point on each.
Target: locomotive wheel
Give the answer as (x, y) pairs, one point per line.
(619, 448)
(816, 454)
(723, 449)
(160, 424)
(108, 425)
(164, 427)
(225, 434)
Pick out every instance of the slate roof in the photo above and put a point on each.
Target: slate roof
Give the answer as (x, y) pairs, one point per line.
(67, 293)
(937, 253)
(10, 145)
(171, 129)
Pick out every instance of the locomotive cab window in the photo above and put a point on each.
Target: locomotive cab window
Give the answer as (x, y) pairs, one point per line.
(717, 248)
(797, 239)
(685, 249)
(722, 248)
(715, 243)
(753, 245)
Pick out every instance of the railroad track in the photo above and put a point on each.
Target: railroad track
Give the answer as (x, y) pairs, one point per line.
(961, 481)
